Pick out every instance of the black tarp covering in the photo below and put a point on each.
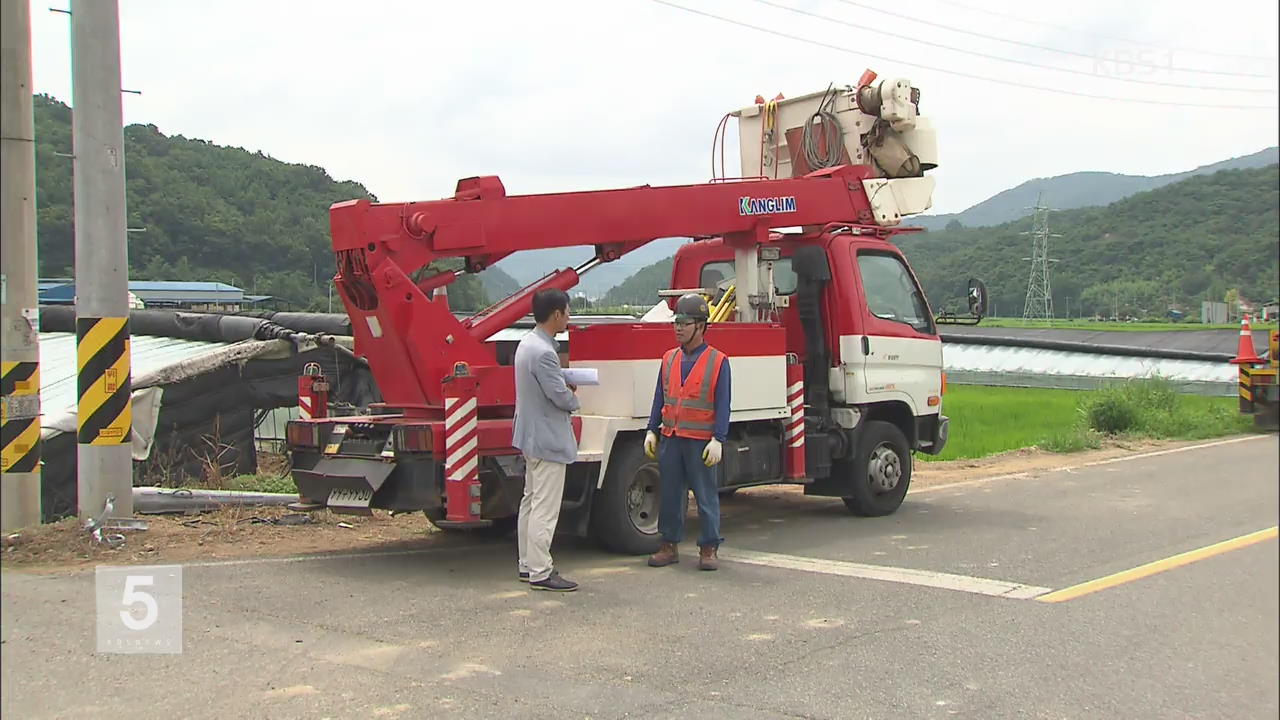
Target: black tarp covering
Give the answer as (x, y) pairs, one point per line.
(209, 327)
(211, 416)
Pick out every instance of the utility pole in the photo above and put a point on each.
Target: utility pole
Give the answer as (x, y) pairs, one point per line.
(19, 301)
(1039, 303)
(105, 425)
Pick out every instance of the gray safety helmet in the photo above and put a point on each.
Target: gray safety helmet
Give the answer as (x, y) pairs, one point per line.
(692, 307)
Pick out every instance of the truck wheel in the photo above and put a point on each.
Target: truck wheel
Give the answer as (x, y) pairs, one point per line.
(624, 512)
(879, 472)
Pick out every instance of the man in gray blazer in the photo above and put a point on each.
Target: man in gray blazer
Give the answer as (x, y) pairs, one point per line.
(544, 434)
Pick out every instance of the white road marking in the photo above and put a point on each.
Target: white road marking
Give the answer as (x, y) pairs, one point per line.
(1171, 451)
(1072, 468)
(967, 483)
(909, 576)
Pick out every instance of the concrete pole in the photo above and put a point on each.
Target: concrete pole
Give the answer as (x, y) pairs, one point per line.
(19, 322)
(105, 465)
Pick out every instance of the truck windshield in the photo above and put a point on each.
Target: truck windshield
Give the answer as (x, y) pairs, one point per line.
(891, 293)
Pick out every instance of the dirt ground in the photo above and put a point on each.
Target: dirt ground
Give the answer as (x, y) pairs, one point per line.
(231, 533)
(246, 532)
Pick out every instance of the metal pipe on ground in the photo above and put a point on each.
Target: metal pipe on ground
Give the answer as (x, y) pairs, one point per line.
(155, 501)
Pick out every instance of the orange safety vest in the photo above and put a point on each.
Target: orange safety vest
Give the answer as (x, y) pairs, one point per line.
(689, 407)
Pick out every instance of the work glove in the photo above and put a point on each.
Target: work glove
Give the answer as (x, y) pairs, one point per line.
(651, 444)
(711, 455)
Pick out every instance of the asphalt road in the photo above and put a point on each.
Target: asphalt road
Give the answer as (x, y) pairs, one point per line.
(935, 612)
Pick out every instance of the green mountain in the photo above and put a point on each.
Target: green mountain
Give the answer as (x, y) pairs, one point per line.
(642, 288)
(1082, 189)
(497, 284)
(528, 267)
(211, 213)
(1172, 247)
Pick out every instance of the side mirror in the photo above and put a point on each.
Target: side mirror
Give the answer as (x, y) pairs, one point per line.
(976, 298)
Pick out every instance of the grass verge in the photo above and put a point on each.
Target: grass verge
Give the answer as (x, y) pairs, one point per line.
(264, 483)
(990, 420)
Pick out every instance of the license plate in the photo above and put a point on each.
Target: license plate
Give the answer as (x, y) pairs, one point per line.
(346, 497)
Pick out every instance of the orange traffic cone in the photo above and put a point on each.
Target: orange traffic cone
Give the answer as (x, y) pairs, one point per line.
(1245, 355)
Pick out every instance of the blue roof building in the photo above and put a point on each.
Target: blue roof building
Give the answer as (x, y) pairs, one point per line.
(155, 293)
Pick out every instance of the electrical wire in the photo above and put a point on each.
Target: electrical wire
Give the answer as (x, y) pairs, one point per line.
(972, 76)
(1087, 33)
(997, 38)
(1000, 58)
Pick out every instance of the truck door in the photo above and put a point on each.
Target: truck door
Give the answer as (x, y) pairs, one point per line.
(902, 355)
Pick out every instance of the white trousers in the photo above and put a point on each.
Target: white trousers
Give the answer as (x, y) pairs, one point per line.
(539, 513)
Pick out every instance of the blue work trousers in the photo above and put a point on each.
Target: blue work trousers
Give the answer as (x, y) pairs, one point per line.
(682, 469)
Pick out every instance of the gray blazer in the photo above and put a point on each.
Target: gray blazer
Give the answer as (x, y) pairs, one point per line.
(543, 428)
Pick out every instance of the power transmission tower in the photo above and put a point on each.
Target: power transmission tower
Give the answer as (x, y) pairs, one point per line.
(1039, 302)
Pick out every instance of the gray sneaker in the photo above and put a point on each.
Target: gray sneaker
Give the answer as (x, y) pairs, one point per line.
(555, 583)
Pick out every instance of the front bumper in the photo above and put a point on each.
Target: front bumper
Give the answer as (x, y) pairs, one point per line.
(933, 435)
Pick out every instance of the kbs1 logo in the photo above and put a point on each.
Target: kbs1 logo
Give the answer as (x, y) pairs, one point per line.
(766, 206)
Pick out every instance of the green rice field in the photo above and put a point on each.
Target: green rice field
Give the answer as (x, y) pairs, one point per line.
(990, 420)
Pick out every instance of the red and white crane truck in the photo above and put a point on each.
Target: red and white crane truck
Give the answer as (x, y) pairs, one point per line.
(837, 363)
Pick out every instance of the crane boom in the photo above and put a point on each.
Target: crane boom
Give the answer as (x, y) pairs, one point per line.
(412, 341)
(483, 224)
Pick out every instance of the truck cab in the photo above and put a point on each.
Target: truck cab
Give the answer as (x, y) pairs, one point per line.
(878, 332)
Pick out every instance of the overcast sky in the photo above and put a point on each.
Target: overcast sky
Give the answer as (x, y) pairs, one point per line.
(407, 97)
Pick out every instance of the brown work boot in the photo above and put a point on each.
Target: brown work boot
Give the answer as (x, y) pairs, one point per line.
(668, 554)
(707, 559)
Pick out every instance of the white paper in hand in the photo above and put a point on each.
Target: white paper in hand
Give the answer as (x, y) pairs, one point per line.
(579, 377)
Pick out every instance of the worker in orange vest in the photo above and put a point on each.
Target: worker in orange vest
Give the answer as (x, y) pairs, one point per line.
(691, 411)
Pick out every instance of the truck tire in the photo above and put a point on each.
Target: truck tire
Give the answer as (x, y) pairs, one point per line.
(879, 472)
(624, 511)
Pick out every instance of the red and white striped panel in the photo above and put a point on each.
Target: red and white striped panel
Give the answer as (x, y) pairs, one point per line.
(795, 424)
(305, 410)
(462, 457)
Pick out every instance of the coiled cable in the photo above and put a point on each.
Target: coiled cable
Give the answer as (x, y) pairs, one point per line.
(834, 135)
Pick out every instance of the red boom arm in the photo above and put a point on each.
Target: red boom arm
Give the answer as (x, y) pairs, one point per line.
(412, 341)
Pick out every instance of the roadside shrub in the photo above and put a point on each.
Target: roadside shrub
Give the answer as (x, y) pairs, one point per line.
(1076, 439)
(1195, 422)
(1151, 395)
(1111, 412)
(1154, 408)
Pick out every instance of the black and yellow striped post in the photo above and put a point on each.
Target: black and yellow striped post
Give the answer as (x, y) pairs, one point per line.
(20, 451)
(20, 442)
(1246, 390)
(104, 412)
(103, 381)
